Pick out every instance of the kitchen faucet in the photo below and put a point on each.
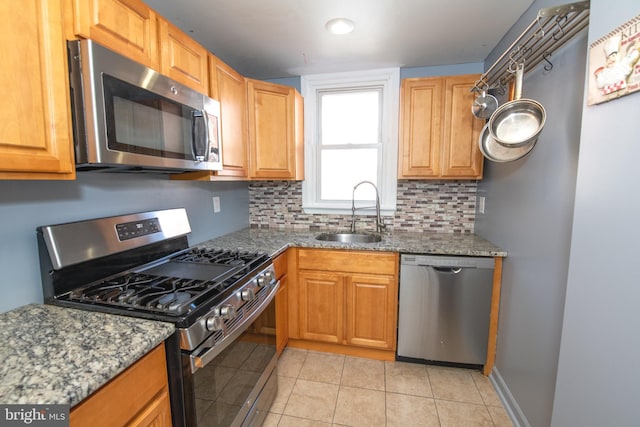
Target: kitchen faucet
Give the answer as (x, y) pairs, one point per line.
(380, 226)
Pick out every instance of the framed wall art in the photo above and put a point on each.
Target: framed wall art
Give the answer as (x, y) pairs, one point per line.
(614, 69)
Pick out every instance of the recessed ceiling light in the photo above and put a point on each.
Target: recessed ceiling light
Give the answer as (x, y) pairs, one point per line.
(340, 26)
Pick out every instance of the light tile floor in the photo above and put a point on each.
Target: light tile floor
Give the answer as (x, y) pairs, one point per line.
(323, 389)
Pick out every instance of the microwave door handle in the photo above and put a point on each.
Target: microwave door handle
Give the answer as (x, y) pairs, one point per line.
(198, 135)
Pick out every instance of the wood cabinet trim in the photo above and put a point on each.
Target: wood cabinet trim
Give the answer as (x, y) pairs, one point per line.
(493, 316)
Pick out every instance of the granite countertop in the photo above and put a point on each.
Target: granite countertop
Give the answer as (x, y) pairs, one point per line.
(56, 355)
(275, 241)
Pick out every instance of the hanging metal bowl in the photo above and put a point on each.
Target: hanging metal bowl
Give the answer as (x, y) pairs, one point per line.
(518, 122)
(496, 152)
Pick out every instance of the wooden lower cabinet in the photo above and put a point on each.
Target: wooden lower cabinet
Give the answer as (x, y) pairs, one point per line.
(321, 306)
(370, 303)
(138, 397)
(346, 298)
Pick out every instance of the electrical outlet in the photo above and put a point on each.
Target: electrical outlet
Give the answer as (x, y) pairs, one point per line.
(216, 204)
(481, 203)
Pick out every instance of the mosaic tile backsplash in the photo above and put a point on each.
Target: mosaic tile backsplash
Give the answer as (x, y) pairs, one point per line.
(440, 206)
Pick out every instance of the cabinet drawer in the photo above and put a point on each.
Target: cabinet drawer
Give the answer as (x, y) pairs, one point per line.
(348, 261)
(280, 265)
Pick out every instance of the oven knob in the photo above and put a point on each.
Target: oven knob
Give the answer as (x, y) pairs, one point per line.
(214, 323)
(265, 279)
(247, 295)
(227, 312)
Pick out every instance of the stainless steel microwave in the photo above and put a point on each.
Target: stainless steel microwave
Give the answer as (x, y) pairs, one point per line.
(128, 117)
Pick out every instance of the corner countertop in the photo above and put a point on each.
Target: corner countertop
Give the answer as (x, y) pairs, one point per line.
(56, 355)
(275, 241)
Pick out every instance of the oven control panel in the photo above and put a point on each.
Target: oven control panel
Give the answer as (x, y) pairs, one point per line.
(133, 229)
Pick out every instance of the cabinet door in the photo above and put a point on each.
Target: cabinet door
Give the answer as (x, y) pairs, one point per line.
(371, 306)
(420, 128)
(272, 130)
(182, 58)
(321, 306)
(35, 123)
(128, 27)
(156, 414)
(228, 86)
(461, 156)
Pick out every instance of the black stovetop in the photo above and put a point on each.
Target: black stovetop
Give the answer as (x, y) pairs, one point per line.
(173, 288)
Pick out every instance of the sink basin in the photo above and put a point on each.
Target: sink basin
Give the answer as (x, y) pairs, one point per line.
(349, 237)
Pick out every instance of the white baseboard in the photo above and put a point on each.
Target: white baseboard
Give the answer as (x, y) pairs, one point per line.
(507, 399)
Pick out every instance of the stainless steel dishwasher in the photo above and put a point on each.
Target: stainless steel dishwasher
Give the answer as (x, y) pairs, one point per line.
(444, 308)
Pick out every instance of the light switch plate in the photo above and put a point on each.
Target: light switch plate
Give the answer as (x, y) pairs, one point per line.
(216, 204)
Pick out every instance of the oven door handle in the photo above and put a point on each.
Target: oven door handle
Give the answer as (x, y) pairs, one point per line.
(202, 360)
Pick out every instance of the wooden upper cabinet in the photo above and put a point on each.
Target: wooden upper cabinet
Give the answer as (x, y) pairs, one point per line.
(128, 27)
(461, 155)
(275, 131)
(182, 58)
(438, 133)
(35, 121)
(420, 124)
(228, 86)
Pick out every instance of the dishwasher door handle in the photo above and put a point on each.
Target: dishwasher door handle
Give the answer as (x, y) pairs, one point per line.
(447, 262)
(454, 270)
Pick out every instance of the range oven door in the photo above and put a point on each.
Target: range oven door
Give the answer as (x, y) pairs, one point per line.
(239, 384)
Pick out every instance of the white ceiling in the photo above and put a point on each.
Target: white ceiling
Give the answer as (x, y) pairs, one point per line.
(266, 39)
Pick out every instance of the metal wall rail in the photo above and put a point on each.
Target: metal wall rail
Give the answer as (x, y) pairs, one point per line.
(553, 27)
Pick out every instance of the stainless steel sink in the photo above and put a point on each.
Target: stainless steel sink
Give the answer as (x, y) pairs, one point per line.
(349, 237)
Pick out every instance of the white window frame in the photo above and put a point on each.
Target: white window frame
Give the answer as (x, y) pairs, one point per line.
(389, 80)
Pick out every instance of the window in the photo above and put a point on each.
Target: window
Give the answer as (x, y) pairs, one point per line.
(350, 136)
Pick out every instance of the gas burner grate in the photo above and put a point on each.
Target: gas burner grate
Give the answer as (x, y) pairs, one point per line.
(220, 256)
(159, 294)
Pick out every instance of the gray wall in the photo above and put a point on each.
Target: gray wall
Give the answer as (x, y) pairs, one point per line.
(405, 73)
(529, 213)
(24, 205)
(598, 374)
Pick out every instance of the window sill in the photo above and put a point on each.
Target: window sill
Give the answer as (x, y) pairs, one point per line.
(341, 211)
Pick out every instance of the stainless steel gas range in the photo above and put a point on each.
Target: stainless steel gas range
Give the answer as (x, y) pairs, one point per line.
(222, 358)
